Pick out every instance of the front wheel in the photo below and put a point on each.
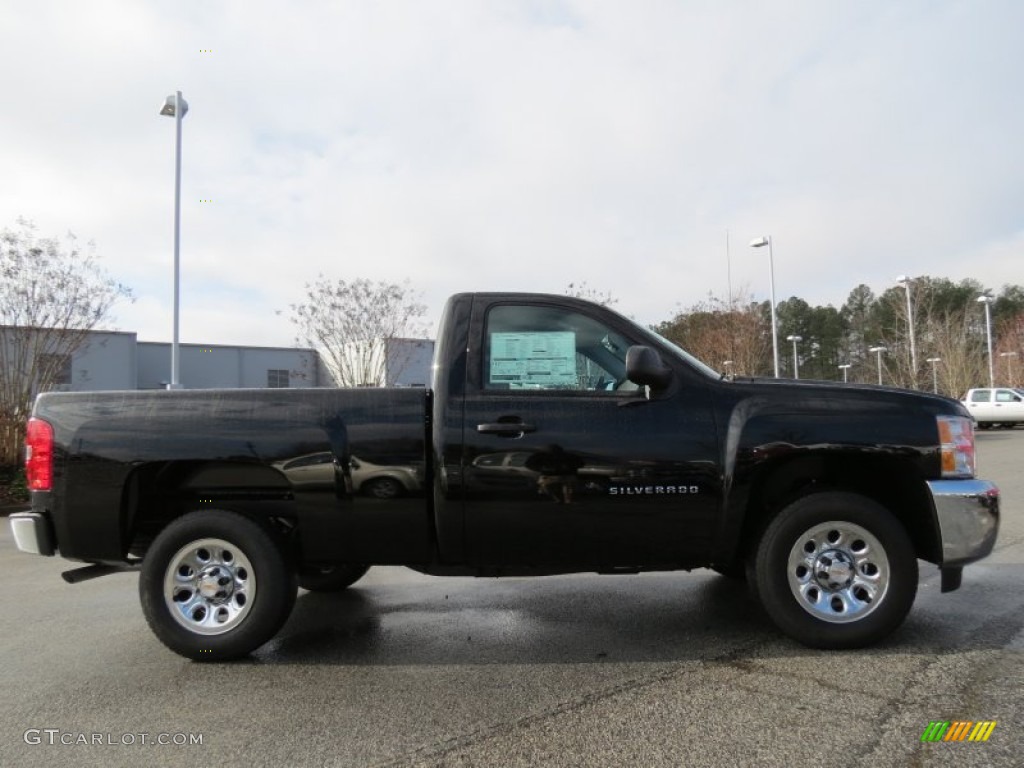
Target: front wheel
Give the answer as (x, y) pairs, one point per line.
(836, 570)
(215, 586)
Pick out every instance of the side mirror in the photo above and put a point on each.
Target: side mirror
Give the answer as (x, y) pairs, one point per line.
(644, 367)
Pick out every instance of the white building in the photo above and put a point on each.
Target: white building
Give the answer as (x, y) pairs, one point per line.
(215, 366)
(115, 360)
(409, 362)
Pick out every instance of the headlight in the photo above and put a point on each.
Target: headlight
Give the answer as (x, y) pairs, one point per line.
(956, 442)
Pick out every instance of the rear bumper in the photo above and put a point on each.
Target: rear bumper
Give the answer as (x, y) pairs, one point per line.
(968, 515)
(32, 533)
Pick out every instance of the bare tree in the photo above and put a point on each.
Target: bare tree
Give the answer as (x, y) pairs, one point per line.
(1010, 350)
(947, 323)
(715, 331)
(952, 337)
(355, 324)
(51, 296)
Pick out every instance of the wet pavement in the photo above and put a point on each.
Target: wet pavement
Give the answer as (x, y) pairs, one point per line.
(404, 669)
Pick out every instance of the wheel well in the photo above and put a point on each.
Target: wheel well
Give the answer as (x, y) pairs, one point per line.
(895, 484)
(158, 493)
(378, 479)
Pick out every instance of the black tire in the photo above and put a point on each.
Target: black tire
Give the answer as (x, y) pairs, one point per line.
(383, 488)
(215, 586)
(331, 578)
(836, 570)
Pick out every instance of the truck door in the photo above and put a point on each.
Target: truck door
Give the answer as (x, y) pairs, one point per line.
(566, 463)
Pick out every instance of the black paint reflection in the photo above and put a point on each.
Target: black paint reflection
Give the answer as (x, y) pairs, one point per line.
(556, 473)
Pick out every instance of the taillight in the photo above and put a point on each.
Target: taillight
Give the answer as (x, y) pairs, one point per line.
(39, 455)
(956, 442)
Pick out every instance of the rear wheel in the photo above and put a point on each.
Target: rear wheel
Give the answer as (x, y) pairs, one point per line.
(215, 586)
(836, 570)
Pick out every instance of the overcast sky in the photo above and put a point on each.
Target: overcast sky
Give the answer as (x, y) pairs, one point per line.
(515, 145)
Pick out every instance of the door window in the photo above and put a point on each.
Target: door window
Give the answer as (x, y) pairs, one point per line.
(551, 348)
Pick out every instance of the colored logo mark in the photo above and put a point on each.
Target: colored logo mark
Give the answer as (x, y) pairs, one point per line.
(958, 730)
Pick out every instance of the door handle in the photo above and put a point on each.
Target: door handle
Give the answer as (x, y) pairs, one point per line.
(506, 429)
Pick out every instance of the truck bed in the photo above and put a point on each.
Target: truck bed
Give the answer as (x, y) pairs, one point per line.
(131, 460)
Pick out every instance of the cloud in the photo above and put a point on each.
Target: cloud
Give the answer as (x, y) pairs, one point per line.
(516, 146)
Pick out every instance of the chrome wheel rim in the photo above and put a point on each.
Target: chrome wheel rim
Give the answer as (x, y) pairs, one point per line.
(209, 586)
(838, 572)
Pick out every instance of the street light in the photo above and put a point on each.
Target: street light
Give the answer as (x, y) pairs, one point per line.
(1009, 365)
(176, 107)
(910, 327)
(845, 369)
(935, 375)
(796, 363)
(758, 243)
(879, 351)
(987, 301)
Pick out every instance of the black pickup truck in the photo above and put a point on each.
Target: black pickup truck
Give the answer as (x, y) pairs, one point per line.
(557, 437)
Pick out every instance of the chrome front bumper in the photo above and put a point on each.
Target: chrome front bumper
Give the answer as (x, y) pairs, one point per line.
(32, 533)
(968, 516)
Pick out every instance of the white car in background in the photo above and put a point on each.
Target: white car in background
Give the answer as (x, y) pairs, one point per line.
(383, 482)
(1003, 406)
(319, 470)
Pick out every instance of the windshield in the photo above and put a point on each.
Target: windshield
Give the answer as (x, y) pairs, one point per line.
(685, 356)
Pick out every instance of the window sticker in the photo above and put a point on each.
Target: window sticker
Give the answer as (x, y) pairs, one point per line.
(534, 360)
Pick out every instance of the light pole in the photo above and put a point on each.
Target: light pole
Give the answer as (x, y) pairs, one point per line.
(879, 351)
(1009, 366)
(176, 107)
(910, 328)
(758, 243)
(987, 301)
(935, 375)
(845, 369)
(796, 363)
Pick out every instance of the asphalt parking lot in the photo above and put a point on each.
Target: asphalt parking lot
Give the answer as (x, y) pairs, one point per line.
(649, 670)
